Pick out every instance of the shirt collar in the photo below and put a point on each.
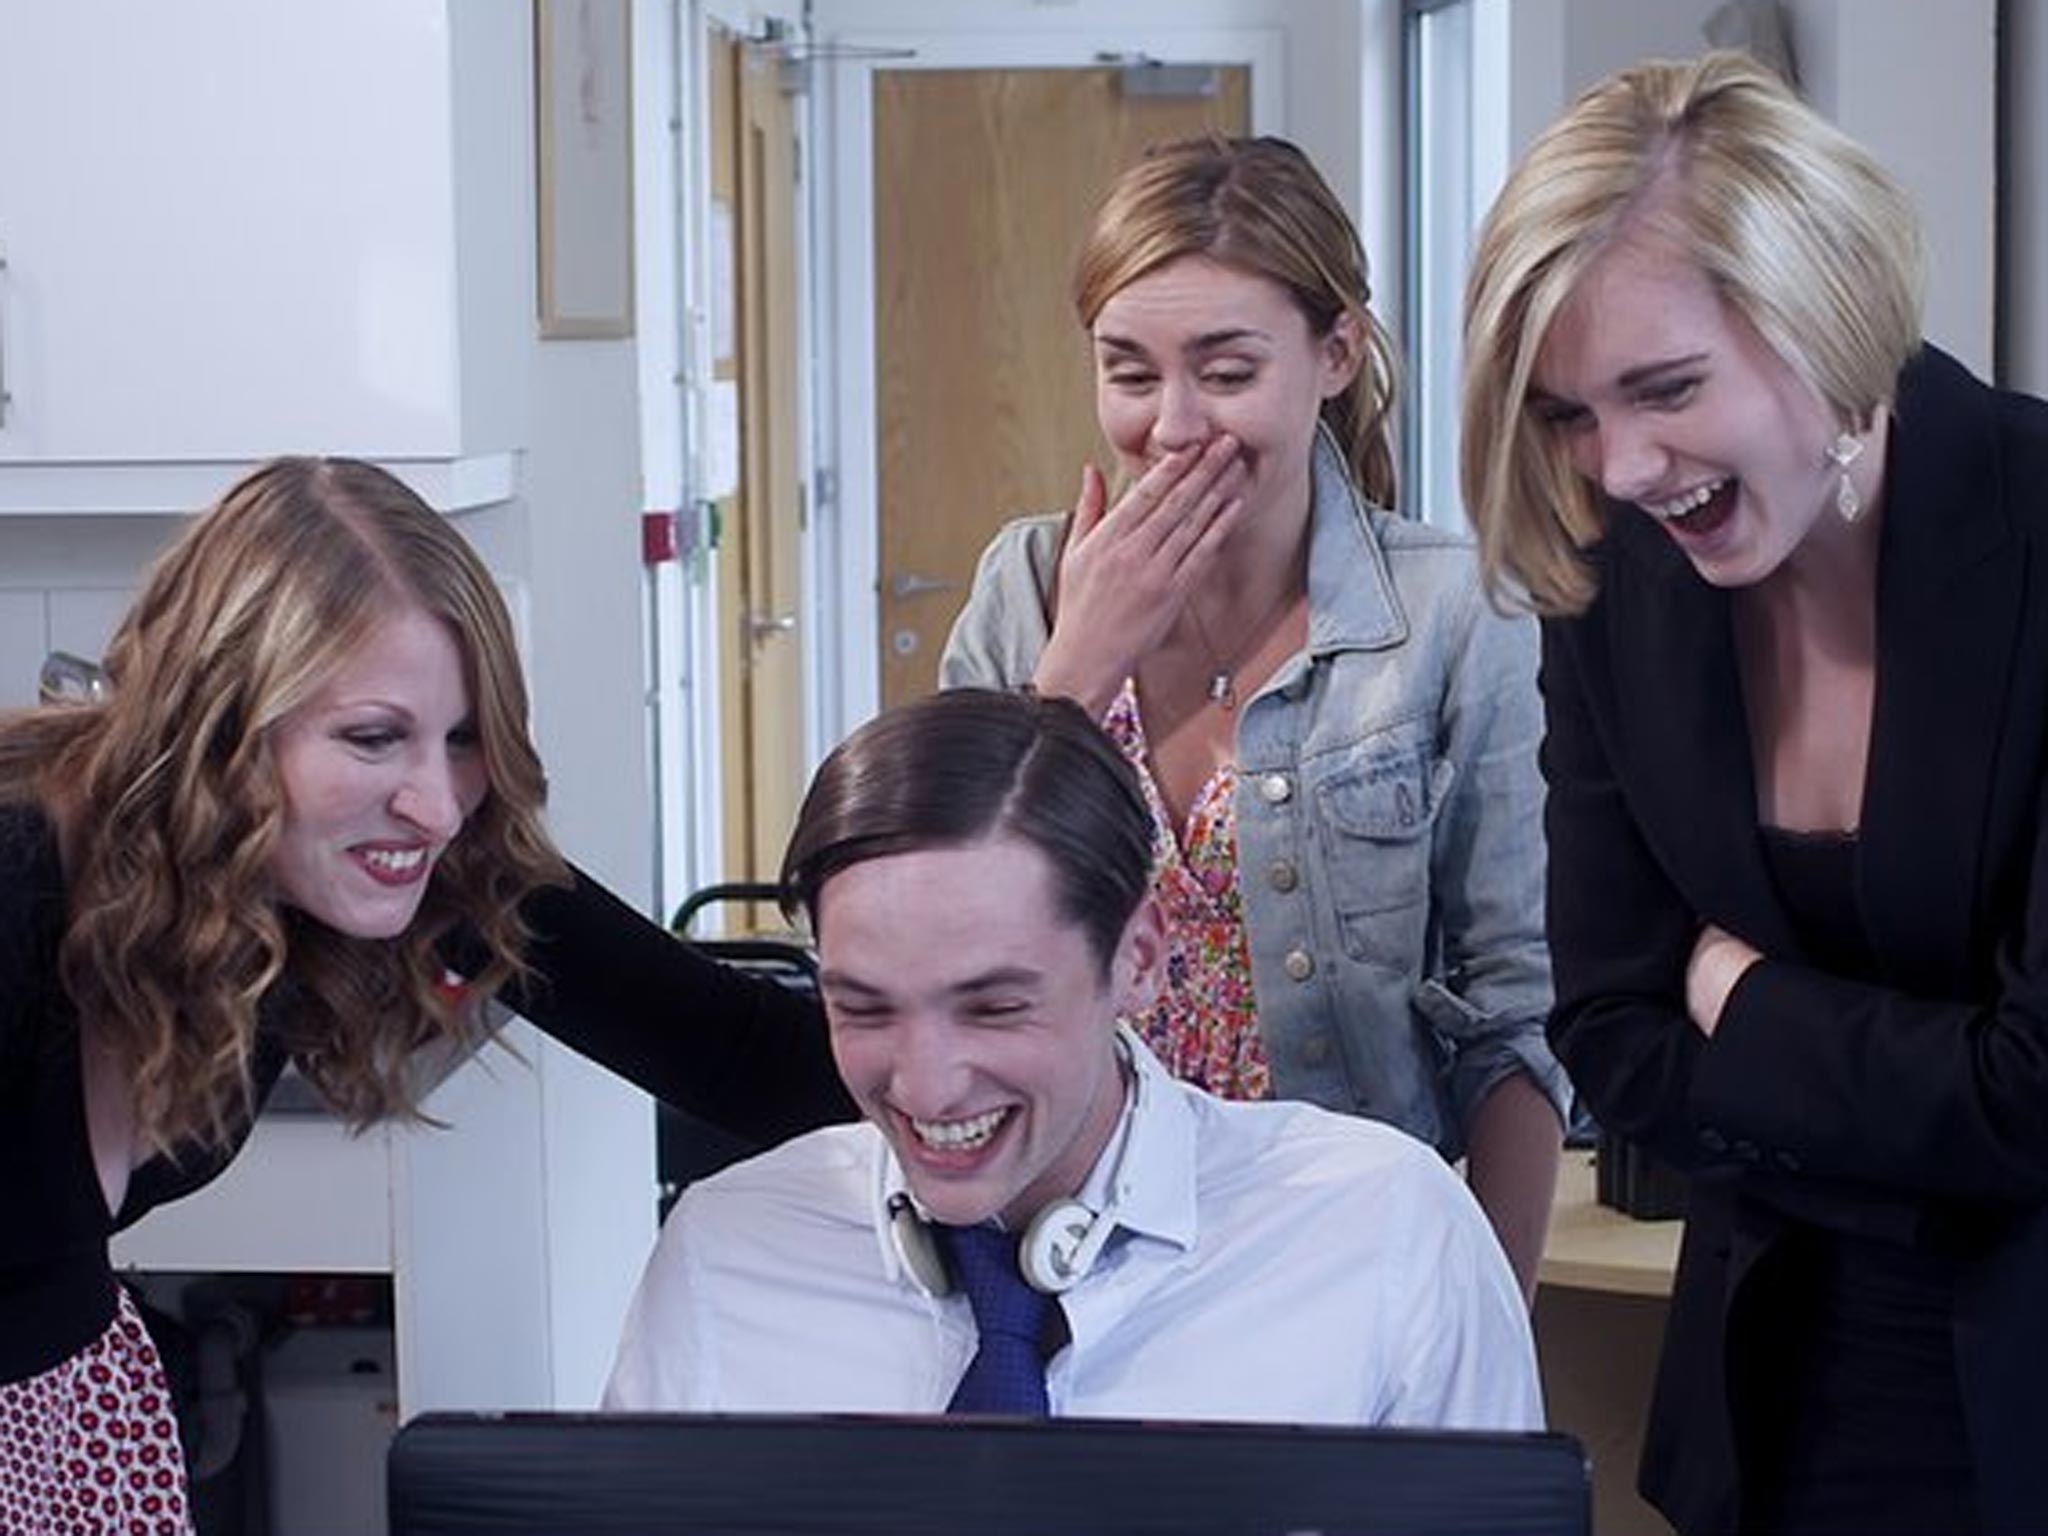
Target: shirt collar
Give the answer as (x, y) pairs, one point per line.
(1157, 1170)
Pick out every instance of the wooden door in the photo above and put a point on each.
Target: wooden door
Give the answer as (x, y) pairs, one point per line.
(985, 181)
(754, 181)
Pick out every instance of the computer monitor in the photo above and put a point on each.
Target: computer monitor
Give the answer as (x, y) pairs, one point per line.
(850, 1475)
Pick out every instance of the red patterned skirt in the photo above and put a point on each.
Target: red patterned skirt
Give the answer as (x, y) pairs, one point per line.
(90, 1447)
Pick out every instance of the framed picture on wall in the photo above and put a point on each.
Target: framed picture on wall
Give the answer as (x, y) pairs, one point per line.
(583, 119)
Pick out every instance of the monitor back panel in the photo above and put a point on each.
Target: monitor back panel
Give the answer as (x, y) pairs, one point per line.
(680, 1475)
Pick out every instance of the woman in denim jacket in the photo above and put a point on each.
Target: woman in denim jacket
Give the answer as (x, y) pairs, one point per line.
(1336, 731)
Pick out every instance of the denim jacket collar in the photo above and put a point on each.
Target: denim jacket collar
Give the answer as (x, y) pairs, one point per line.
(1352, 604)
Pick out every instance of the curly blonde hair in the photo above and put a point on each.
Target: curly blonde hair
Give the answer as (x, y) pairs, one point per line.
(168, 804)
(1257, 206)
(1797, 227)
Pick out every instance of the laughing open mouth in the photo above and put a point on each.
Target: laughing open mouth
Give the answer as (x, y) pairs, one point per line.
(1700, 510)
(968, 1135)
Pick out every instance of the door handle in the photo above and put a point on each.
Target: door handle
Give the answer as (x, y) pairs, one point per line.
(760, 628)
(910, 584)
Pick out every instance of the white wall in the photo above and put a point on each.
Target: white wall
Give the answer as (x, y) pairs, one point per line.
(2023, 244)
(568, 546)
(1861, 62)
(1559, 47)
(1916, 84)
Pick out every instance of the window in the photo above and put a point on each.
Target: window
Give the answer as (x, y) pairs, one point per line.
(1457, 93)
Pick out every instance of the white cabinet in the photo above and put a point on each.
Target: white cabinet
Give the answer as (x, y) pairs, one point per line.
(235, 228)
(465, 1219)
(231, 229)
(303, 1196)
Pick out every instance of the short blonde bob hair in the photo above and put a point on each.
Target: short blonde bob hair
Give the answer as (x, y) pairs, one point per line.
(169, 804)
(1800, 230)
(1256, 206)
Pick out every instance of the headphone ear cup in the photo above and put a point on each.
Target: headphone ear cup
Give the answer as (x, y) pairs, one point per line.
(918, 1248)
(1046, 1253)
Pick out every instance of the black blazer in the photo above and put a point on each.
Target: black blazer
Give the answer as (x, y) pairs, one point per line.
(1913, 1106)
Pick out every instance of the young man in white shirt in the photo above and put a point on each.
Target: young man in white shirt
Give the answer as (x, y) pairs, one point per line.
(976, 870)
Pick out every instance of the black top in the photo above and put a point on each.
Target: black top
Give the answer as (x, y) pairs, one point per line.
(734, 1050)
(1860, 1426)
(56, 1291)
(1815, 873)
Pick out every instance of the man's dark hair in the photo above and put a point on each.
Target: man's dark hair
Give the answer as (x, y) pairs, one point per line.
(970, 764)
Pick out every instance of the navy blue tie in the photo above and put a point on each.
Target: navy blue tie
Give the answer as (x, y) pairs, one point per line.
(1007, 1373)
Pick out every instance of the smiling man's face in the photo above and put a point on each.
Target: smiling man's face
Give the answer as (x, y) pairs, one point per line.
(975, 1025)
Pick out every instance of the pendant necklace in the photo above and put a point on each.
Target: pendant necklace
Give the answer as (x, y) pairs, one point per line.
(1222, 686)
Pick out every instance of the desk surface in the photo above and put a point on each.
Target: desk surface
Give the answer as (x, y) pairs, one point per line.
(1594, 1248)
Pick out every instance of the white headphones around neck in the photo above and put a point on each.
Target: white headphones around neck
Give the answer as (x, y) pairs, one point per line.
(1059, 1247)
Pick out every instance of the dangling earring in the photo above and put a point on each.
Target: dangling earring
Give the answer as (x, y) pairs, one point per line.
(1844, 451)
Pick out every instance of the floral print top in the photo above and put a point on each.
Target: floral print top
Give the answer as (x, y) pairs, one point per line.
(1205, 1026)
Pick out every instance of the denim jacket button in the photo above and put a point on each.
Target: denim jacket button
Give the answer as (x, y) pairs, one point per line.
(1276, 789)
(1281, 875)
(1299, 965)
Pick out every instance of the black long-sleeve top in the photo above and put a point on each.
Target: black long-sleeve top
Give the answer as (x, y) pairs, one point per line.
(733, 1049)
(729, 1047)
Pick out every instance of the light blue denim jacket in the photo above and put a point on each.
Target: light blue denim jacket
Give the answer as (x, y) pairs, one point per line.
(1389, 815)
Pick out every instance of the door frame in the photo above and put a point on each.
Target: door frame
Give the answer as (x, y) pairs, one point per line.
(844, 530)
(686, 629)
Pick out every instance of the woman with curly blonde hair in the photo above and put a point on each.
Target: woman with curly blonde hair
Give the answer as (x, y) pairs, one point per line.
(311, 773)
(308, 793)
(174, 803)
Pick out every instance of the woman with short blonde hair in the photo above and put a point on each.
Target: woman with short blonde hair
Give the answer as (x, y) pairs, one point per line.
(1797, 226)
(1795, 671)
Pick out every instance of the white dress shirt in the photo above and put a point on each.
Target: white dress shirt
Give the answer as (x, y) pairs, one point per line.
(1272, 1262)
